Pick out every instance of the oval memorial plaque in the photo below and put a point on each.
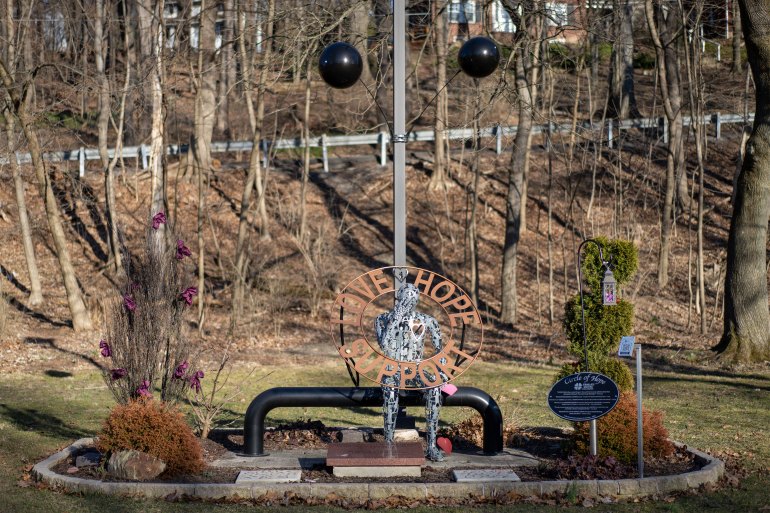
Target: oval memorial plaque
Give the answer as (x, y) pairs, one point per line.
(583, 396)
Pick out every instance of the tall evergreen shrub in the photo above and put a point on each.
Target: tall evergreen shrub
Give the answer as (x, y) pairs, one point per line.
(605, 325)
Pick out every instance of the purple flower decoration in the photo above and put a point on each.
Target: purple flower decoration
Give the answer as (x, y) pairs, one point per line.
(144, 389)
(105, 347)
(129, 303)
(118, 373)
(182, 250)
(158, 219)
(181, 369)
(133, 286)
(188, 295)
(195, 381)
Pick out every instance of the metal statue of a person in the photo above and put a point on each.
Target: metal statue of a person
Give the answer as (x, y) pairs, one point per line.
(400, 334)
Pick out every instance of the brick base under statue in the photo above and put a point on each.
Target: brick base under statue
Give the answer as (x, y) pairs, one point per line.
(376, 459)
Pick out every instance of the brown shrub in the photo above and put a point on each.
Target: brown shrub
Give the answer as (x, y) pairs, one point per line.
(616, 433)
(155, 428)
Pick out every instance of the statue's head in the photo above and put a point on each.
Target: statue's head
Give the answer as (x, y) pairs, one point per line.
(407, 297)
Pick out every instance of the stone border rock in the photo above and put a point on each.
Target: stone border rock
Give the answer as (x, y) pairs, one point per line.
(711, 472)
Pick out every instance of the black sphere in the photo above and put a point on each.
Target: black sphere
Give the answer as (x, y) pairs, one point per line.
(340, 65)
(478, 57)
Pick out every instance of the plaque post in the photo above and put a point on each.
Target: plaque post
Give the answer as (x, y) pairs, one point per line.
(639, 420)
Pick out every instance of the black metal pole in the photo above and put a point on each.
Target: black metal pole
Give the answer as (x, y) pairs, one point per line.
(254, 423)
(593, 432)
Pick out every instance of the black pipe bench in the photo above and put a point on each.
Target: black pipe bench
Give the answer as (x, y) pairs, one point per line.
(254, 423)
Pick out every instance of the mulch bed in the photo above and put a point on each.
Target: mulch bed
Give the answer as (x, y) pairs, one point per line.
(548, 444)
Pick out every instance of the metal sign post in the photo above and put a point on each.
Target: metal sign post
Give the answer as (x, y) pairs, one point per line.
(626, 349)
(399, 136)
(639, 423)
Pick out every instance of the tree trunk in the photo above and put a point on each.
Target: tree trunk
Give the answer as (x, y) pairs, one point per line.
(260, 175)
(746, 336)
(384, 79)
(201, 176)
(622, 98)
(737, 64)
(664, 32)
(109, 172)
(103, 122)
(245, 62)
(35, 288)
(227, 75)
(302, 232)
(359, 33)
(438, 179)
(205, 97)
(515, 204)
(254, 174)
(151, 43)
(130, 19)
(80, 318)
(205, 116)
(694, 67)
(473, 238)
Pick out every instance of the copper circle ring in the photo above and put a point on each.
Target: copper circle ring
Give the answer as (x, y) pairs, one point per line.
(360, 293)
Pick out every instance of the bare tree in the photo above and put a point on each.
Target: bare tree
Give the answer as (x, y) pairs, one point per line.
(694, 68)
(472, 240)
(149, 13)
(438, 178)
(227, 68)
(103, 125)
(525, 55)
(665, 29)
(205, 88)
(254, 176)
(736, 42)
(19, 94)
(205, 116)
(621, 78)
(359, 33)
(35, 288)
(302, 229)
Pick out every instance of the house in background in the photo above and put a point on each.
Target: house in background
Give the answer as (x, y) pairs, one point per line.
(468, 18)
(175, 19)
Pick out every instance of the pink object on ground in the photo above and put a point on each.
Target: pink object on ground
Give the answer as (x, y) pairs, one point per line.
(448, 388)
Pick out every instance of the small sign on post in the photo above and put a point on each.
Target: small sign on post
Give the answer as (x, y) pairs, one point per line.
(626, 348)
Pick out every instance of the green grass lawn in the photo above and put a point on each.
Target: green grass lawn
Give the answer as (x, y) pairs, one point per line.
(723, 413)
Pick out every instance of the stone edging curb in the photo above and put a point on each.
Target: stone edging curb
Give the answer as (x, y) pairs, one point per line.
(711, 472)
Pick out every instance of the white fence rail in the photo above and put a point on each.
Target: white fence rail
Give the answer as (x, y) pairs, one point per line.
(382, 139)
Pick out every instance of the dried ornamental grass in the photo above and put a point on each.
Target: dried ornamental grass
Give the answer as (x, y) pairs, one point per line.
(145, 338)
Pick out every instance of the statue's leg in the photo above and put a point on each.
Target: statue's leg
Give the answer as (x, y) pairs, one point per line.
(432, 408)
(389, 411)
